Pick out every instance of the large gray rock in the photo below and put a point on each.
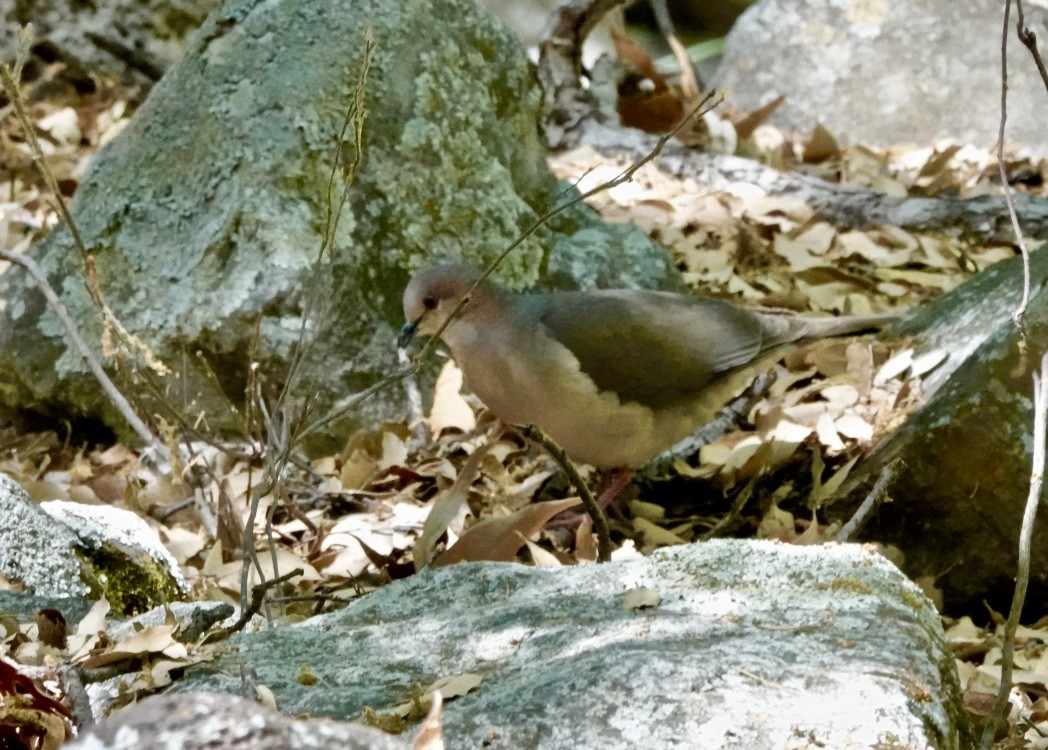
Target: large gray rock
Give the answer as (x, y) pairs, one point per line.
(207, 214)
(963, 459)
(883, 73)
(223, 722)
(746, 644)
(124, 37)
(63, 549)
(73, 608)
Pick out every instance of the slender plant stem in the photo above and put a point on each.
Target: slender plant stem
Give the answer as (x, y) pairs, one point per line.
(1022, 578)
(600, 521)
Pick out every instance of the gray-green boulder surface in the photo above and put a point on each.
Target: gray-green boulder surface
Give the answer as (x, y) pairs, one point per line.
(723, 644)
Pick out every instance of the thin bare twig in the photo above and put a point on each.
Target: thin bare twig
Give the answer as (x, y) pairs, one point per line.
(1009, 198)
(108, 387)
(1029, 40)
(872, 499)
(284, 430)
(258, 598)
(129, 341)
(600, 521)
(416, 417)
(1022, 578)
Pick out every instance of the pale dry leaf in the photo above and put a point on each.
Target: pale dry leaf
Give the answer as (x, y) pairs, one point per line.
(827, 433)
(653, 512)
(896, 237)
(348, 562)
(158, 639)
(740, 453)
(431, 734)
(861, 244)
(807, 414)
(449, 687)
(265, 695)
(450, 410)
(811, 535)
(641, 597)
(628, 551)
(88, 629)
(160, 670)
(182, 543)
(986, 257)
(785, 379)
(839, 397)
(357, 469)
(655, 536)
(828, 489)
(942, 282)
(894, 367)
(228, 575)
(781, 212)
(499, 538)
(325, 466)
(62, 124)
(739, 287)
(776, 524)
(354, 529)
(446, 507)
(860, 365)
(585, 542)
(964, 630)
(926, 362)
(892, 290)
(394, 451)
(541, 557)
(851, 425)
(938, 252)
(782, 442)
(213, 561)
(796, 251)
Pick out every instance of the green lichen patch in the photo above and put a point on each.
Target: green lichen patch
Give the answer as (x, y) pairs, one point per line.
(131, 584)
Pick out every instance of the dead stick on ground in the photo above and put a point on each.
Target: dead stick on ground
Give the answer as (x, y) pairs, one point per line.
(600, 521)
(258, 598)
(857, 521)
(1022, 578)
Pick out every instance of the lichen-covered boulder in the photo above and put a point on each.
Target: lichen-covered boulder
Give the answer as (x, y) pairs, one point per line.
(127, 38)
(962, 460)
(205, 217)
(722, 644)
(886, 73)
(63, 549)
(224, 722)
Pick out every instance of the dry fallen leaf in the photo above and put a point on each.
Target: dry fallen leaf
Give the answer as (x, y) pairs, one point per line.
(450, 410)
(500, 538)
(431, 734)
(641, 598)
(449, 687)
(158, 639)
(447, 506)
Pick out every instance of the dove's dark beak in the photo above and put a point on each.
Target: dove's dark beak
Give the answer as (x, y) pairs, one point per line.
(407, 333)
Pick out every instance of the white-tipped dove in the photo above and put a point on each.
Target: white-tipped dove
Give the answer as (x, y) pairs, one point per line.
(615, 377)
